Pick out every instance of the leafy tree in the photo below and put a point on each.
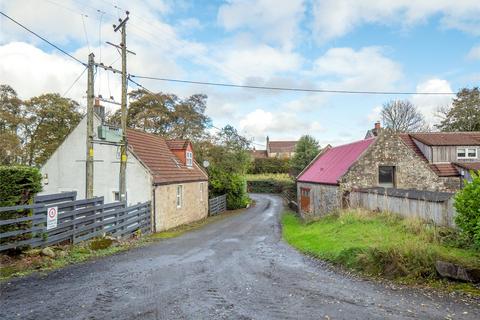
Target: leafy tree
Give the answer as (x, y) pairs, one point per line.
(464, 115)
(166, 114)
(11, 119)
(50, 118)
(306, 150)
(402, 116)
(227, 152)
(467, 204)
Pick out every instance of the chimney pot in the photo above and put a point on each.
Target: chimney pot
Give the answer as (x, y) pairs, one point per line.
(378, 125)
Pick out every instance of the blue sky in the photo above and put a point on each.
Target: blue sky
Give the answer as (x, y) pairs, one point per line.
(399, 45)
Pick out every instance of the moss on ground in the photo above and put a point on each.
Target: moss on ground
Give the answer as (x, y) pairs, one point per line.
(379, 244)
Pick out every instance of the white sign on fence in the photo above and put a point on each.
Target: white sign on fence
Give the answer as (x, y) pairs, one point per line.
(52, 217)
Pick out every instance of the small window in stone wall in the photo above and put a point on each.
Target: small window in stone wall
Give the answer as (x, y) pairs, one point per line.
(386, 176)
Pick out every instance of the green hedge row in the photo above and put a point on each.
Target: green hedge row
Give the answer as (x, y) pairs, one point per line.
(270, 186)
(270, 165)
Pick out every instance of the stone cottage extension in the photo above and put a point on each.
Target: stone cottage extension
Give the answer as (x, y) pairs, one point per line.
(380, 161)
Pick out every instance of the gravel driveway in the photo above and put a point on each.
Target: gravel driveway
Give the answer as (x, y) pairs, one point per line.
(236, 268)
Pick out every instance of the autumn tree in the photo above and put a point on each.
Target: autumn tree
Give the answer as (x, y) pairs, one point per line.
(49, 119)
(11, 120)
(464, 115)
(166, 114)
(306, 150)
(402, 116)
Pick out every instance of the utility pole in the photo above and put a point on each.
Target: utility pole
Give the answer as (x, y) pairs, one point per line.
(123, 147)
(89, 158)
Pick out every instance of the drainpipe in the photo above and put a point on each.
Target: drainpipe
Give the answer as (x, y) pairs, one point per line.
(154, 211)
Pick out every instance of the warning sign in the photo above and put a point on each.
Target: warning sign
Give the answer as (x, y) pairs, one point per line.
(52, 217)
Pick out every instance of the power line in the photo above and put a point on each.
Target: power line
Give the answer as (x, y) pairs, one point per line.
(231, 85)
(76, 80)
(42, 38)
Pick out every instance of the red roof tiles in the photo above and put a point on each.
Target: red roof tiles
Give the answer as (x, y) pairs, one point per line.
(448, 138)
(177, 144)
(282, 146)
(165, 167)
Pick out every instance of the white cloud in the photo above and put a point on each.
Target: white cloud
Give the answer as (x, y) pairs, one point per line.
(474, 53)
(335, 18)
(256, 61)
(429, 104)
(365, 69)
(276, 21)
(260, 123)
(374, 115)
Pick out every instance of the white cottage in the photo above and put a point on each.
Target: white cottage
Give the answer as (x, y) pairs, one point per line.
(163, 172)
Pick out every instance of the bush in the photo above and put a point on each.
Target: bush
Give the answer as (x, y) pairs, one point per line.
(18, 185)
(270, 183)
(232, 184)
(467, 204)
(270, 165)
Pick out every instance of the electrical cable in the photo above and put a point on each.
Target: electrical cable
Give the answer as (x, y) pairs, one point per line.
(42, 38)
(76, 80)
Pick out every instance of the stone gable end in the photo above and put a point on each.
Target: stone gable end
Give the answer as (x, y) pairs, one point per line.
(389, 150)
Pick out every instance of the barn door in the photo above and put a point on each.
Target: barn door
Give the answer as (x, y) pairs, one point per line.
(305, 199)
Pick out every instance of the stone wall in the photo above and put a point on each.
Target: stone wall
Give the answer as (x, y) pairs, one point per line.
(194, 208)
(452, 184)
(389, 150)
(324, 199)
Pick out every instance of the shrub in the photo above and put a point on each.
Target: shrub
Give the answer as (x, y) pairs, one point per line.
(467, 204)
(270, 183)
(270, 165)
(18, 186)
(232, 184)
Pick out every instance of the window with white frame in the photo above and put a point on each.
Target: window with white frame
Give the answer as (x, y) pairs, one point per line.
(466, 153)
(189, 158)
(179, 195)
(202, 190)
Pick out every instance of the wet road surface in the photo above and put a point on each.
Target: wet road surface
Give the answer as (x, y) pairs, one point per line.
(236, 268)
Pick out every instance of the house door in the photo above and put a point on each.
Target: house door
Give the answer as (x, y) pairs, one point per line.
(305, 199)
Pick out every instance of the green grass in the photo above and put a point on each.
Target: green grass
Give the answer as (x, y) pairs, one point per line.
(31, 261)
(377, 244)
(283, 177)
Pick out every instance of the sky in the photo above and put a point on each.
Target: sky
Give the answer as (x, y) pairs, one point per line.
(368, 45)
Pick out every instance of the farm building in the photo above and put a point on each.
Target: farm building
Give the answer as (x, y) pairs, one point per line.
(158, 170)
(383, 160)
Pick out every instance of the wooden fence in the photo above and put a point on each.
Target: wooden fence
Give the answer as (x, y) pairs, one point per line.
(78, 220)
(434, 207)
(217, 205)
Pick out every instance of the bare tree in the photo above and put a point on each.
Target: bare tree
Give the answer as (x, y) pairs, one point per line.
(403, 116)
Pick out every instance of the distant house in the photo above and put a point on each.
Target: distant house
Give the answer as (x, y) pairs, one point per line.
(276, 149)
(451, 155)
(383, 160)
(158, 170)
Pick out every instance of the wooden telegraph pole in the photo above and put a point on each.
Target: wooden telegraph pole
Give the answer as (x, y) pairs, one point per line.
(89, 157)
(123, 147)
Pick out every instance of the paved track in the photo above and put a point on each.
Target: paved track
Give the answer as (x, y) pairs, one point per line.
(236, 268)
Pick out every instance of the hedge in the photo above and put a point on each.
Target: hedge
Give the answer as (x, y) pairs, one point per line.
(18, 186)
(270, 165)
(269, 186)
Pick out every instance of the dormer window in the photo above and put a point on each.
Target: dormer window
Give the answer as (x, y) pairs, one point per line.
(189, 157)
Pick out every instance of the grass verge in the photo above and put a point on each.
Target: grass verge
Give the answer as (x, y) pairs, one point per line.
(381, 245)
(33, 261)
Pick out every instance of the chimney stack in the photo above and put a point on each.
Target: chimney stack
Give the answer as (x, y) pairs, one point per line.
(378, 125)
(99, 109)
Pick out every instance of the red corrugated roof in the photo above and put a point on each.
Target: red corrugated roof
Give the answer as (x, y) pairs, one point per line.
(165, 167)
(329, 167)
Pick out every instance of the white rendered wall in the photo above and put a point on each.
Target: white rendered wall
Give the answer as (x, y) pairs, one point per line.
(66, 169)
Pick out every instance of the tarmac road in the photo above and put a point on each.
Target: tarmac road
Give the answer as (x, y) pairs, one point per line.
(236, 268)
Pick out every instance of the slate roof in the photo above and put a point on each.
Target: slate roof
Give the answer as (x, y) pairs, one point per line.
(330, 166)
(448, 138)
(282, 146)
(156, 155)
